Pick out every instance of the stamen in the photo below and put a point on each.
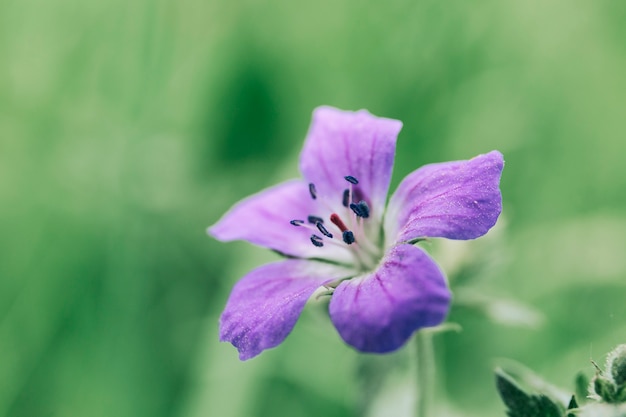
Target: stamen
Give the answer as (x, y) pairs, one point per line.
(315, 219)
(356, 209)
(336, 220)
(346, 197)
(317, 241)
(348, 237)
(296, 222)
(364, 208)
(323, 230)
(351, 179)
(312, 191)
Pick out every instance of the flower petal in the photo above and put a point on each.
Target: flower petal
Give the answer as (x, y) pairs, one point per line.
(263, 219)
(379, 312)
(265, 305)
(341, 143)
(455, 200)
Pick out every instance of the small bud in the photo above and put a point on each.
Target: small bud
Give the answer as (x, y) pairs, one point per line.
(609, 385)
(616, 365)
(603, 388)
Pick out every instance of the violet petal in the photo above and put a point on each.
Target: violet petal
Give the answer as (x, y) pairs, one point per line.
(264, 219)
(357, 144)
(378, 312)
(265, 304)
(455, 200)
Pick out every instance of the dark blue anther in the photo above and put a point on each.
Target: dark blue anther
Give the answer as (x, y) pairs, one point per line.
(317, 241)
(296, 222)
(348, 237)
(356, 209)
(312, 191)
(323, 230)
(364, 209)
(351, 179)
(361, 209)
(346, 198)
(315, 219)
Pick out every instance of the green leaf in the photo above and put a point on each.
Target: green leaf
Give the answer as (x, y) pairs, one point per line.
(522, 404)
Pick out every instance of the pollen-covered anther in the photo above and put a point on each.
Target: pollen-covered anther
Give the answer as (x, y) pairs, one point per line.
(312, 191)
(317, 241)
(323, 230)
(315, 219)
(346, 198)
(296, 222)
(365, 209)
(361, 209)
(348, 237)
(351, 179)
(356, 209)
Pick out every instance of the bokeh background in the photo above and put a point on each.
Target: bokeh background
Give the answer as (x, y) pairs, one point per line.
(127, 128)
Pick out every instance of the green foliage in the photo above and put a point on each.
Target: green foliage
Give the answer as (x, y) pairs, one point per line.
(127, 128)
(606, 393)
(522, 404)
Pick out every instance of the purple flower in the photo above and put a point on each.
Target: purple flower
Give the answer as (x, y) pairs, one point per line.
(336, 233)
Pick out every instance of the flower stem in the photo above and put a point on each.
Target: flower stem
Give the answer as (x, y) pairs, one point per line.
(425, 372)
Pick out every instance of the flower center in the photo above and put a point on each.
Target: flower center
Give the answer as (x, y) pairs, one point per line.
(349, 226)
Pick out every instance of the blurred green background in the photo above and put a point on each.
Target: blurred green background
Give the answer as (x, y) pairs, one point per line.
(127, 128)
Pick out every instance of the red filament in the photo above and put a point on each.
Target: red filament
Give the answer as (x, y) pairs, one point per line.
(338, 222)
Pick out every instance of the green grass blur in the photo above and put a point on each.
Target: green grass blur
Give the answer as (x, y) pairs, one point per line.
(127, 128)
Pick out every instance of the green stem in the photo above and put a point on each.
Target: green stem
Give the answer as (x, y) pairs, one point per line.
(425, 372)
